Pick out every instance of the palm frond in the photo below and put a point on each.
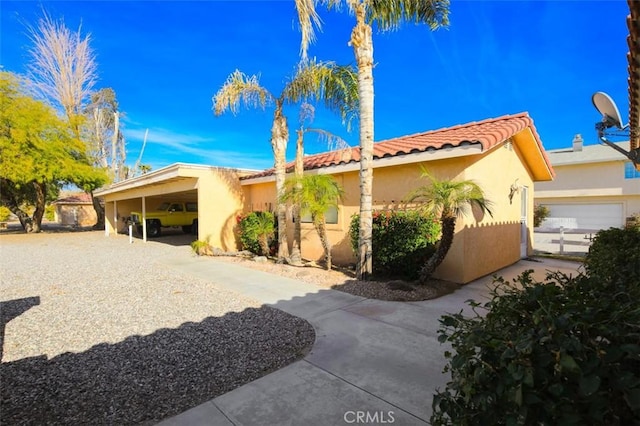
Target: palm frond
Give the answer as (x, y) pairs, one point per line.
(389, 14)
(238, 88)
(331, 140)
(448, 197)
(315, 194)
(309, 21)
(334, 85)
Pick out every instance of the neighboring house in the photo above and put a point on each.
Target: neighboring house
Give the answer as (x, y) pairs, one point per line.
(75, 210)
(596, 187)
(503, 155)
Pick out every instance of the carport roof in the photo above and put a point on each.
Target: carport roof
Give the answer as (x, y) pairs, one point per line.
(171, 173)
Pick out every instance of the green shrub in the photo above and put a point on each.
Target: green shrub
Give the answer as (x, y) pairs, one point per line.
(202, 248)
(256, 231)
(561, 352)
(5, 214)
(49, 212)
(540, 213)
(615, 255)
(402, 241)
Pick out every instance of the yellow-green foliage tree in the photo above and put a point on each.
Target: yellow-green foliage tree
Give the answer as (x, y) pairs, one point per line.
(38, 154)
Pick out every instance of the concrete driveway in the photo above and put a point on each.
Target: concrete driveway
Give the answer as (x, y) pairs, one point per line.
(373, 361)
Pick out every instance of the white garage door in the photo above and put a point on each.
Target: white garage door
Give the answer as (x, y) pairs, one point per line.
(589, 216)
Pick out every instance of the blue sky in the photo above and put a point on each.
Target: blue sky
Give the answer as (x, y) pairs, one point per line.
(166, 59)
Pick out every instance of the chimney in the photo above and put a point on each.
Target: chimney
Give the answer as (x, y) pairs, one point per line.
(577, 142)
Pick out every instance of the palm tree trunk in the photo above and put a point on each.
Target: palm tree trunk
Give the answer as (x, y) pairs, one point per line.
(279, 139)
(296, 255)
(321, 228)
(448, 230)
(362, 42)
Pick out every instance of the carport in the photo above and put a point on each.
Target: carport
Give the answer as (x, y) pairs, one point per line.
(217, 191)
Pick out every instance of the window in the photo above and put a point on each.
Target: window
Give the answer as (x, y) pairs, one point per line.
(176, 208)
(192, 207)
(331, 216)
(630, 171)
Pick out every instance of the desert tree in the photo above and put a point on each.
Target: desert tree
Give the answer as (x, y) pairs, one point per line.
(385, 15)
(62, 70)
(39, 153)
(62, 66)
(312, 80)
(103, 134)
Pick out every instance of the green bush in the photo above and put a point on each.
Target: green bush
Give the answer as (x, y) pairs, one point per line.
(256, 229)
(5, 214)
(402, 241)
(615, 254)
(565, 351)
(540, 213)
(49, 212)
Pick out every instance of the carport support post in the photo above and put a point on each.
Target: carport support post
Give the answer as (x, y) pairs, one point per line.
(144, 219)
(115, 217)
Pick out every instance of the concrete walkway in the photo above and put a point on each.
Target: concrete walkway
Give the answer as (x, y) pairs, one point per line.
(373, 361)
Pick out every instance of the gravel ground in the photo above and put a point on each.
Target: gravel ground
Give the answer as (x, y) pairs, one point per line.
(97, 331)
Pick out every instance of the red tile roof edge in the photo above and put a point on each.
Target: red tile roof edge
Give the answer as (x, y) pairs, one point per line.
(80, 198)
(459, 135)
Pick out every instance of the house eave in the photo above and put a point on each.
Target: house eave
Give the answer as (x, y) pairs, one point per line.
(396, 160)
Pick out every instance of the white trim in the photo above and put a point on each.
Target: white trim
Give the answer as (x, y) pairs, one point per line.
(396, 160)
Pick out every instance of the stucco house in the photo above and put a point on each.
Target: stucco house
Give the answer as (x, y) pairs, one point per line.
(504, 155)
(596, 187)
(75, 210)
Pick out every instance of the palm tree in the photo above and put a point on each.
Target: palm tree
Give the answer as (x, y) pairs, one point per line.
(324, 81)
(334, 142)
(448, 199)
(264, 231)
(315, 194)
(386, 15)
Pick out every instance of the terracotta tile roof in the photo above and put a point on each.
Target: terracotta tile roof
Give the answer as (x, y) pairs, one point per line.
(633, 40)
(79, 198)
(487, 133)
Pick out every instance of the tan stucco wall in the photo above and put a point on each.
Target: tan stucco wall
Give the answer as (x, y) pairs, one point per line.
(479, 248)
(75, 214)
(494, 242)
(217, 190)
(591, 183)
(220, 201)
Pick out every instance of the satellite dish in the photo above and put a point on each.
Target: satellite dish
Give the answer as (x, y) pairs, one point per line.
(610, 114)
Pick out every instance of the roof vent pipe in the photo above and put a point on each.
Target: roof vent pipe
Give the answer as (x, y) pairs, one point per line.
(577, 142)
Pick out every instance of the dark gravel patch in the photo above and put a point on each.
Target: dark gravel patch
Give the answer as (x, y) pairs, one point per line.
(145, 379)
(397, 291)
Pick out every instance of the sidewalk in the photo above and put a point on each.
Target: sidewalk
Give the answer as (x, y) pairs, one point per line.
(372, 360)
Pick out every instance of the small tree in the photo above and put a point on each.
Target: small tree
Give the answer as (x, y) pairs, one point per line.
(315, 194)
(540, 213)
(447, 199)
